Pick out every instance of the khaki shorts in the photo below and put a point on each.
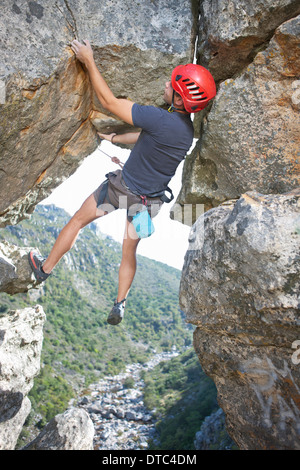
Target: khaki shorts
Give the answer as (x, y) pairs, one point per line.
(113, 194)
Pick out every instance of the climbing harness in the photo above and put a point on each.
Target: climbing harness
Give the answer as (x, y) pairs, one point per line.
(161, 194)
(141, 220)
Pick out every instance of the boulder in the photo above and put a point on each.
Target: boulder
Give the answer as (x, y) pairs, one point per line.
(21, 337)
(71, 430)
(231, 33)
(240, 287)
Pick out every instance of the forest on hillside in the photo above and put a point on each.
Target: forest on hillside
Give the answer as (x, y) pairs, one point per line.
(80, 347)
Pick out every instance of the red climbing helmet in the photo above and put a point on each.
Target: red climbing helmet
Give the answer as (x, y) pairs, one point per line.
(195, 84)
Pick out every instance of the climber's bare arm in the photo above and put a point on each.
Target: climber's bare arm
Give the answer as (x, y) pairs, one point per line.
(118, 106)
(128, 138)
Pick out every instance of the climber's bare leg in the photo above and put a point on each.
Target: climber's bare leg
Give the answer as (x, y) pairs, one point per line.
(87, 213)
(128, 263)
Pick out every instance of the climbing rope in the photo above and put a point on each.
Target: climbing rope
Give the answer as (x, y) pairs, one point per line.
(113, 159)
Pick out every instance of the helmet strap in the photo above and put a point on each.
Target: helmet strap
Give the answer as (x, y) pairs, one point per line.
(172, 107)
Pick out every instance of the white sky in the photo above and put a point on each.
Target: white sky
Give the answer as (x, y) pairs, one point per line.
(168, 243)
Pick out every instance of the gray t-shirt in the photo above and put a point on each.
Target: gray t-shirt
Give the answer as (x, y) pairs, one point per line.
(164, 141)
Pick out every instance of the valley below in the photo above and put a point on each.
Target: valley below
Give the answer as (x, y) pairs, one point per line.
(116, 406)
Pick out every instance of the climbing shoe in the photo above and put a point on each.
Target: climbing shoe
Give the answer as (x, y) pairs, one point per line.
(117, 313)
(36, 262)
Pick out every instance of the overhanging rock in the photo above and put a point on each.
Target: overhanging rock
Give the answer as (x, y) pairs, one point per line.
(47, 102)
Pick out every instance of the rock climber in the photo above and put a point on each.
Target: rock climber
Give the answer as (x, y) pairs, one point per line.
(164, 140)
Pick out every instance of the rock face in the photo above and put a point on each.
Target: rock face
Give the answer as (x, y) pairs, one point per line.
(240, 282)
(230, 34)
(240, 286)
(48, 107)
(21, 337)
(211, 435)
(250, 138)
(71, 430)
